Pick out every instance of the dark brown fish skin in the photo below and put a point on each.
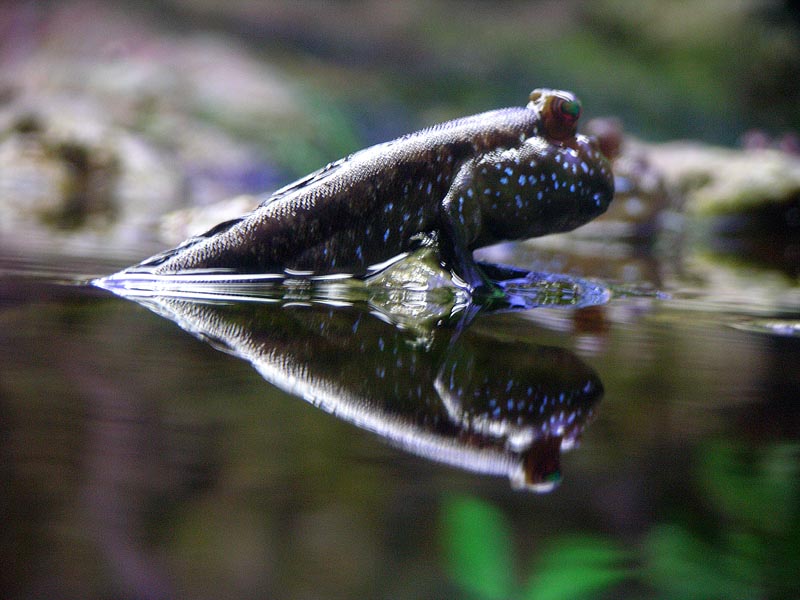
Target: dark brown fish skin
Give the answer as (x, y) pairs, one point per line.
(377, 203)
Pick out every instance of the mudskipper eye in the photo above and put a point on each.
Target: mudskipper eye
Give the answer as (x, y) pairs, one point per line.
(571, 109)
(560, 117)
(559, 112)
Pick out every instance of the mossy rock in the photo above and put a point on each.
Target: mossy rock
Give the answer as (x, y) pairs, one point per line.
(720, 181)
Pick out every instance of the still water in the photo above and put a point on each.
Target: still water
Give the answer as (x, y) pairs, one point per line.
(625, 437)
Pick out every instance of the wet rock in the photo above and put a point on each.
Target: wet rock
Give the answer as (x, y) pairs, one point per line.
(720, 181)
(641, 195)
(107, 123)
(64, 171)
(690, 177)
(665, 188)
(180, 225)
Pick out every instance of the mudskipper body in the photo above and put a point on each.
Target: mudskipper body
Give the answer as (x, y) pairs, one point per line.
(507, 174)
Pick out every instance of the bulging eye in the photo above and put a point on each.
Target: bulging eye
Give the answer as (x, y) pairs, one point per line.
(559, 111)
(571, 109)
(560, 117)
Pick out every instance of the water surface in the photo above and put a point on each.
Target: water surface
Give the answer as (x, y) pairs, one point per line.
(141, 461)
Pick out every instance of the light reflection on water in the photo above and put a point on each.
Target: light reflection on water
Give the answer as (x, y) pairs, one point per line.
(140, 461)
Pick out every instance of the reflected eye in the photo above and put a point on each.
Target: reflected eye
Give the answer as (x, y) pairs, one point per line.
(554, 477)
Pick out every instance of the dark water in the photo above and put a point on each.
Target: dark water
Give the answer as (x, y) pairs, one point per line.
(140, 461)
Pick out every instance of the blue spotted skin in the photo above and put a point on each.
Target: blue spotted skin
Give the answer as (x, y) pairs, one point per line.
(507, 174)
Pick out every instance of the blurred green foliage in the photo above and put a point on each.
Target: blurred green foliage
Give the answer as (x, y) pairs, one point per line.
(680, 564)
(577, 566)
(707, 70)
(741, 541)
(762, 489)
(477, 539)
(478, 546)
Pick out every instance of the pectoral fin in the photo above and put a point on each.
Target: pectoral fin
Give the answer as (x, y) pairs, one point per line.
(460, 225)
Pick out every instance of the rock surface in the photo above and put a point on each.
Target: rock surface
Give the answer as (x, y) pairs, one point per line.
(716, 181)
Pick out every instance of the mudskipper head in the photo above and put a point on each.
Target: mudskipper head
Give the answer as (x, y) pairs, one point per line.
(575, 183)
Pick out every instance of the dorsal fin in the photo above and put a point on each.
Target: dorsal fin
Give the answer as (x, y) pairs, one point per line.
(309, 179)
(162, 257)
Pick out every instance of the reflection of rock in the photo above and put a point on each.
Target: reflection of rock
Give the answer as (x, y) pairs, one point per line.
(729, 284)
(484, 405)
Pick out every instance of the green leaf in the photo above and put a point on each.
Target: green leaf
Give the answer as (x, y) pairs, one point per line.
(680, 565)
(476, 539)
(577, 567)
(761, 488)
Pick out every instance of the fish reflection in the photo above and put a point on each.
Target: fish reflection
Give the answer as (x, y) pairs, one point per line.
(451, 394)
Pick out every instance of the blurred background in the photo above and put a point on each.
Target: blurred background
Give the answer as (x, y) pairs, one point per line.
(137, 462)
(238, 97)
(114, 113)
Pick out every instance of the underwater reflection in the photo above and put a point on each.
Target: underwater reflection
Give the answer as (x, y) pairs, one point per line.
(437, 389)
